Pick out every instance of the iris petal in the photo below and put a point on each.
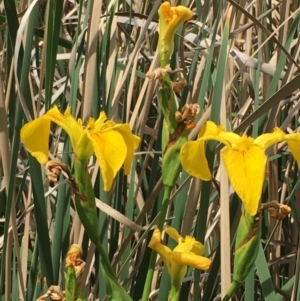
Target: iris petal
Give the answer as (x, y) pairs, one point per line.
(67, 122)
(246, 171)
(198, 248)
(162, 250)
(35, 137)
(195, 261)
(193, 159)
(173, 233)
(293, 141)
(269, 139)
(132, 142)
(110, 150)
(100, 122)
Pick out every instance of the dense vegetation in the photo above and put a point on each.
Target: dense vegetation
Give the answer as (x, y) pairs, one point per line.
(240, 62)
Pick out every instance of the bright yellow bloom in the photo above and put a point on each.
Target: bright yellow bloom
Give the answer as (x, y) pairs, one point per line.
(187, 252)
(169, 20)
(113, 144)
(244, 159)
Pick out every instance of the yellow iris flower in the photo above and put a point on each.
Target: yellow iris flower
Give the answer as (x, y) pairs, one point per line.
(244, 159)
(187, 252)
(113, 144)
(169, 20)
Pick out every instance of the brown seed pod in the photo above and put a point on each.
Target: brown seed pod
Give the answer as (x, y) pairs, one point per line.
(178, 85)
(159, 73)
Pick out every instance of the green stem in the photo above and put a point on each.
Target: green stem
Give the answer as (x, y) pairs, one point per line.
(87, 212)
(234, 285)
(164, 207)
(160, 223)
(174, 292)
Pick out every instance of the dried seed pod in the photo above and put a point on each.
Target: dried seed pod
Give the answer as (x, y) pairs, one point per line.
(189, 125)
(178, 116)
(178, 85)
(53, 171)
(74, 254)
(187, 115)
(54, 292)
(276, 210)
(159, 73)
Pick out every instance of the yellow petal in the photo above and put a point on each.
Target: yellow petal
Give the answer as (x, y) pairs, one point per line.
(185, 246)
(246, 171)
(67, 122)
(268, 139)
(211, 131)
(35, 137)
(228, 138)
(193, 159)
(162, 250)
(169, 19)
(198, 248)
(99, 123)
(194, 246)
(189, 245)
(110, 150)
(132, 142)
(293, 141)
(173, 233)
(179, 15)
(195, 261)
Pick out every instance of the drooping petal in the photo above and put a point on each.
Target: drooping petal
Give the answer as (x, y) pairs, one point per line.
(132, 142)
(162, 250)
(35, 137)
(67, 122)
(246, 171)
(110, 150)
(173, 233)
(195, 261)
(293, 141)
(193, 159)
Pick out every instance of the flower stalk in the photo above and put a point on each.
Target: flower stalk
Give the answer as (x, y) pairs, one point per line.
(174, 133)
